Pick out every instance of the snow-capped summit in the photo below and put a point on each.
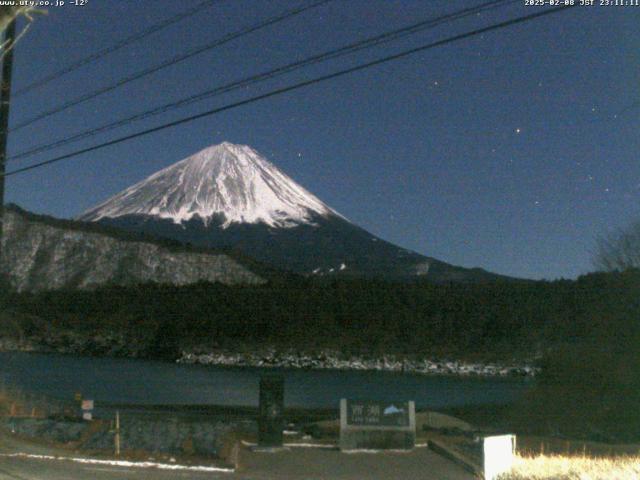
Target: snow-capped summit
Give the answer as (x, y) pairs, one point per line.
(229, 196)
(228, 181)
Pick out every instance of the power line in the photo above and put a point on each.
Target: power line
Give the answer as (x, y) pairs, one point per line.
(296, 86)
(167, 63)
(328, 55)
(116, 46)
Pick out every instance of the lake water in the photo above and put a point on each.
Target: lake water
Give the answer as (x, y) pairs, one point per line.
(130, 381)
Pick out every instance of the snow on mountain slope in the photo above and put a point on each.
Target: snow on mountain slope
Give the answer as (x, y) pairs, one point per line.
(229, 180)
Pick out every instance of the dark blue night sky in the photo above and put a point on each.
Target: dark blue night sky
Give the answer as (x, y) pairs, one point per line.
(511, 151)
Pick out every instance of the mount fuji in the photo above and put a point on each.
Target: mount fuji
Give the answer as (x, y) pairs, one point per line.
(230, 196)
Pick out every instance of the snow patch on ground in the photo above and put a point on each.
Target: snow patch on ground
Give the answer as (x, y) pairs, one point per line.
(121, 463)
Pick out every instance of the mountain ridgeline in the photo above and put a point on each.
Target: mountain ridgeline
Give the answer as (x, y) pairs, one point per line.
(44, 253)
(229, 196)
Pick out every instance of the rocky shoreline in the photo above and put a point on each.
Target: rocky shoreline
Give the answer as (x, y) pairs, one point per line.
(271, 358)
(338, 361)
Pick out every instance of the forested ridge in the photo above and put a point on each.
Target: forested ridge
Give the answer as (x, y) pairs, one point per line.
(489, 320)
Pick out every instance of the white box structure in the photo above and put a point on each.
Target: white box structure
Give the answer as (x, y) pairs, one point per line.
(498, 453)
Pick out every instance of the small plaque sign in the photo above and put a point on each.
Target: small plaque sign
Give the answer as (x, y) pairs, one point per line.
(369, 424)
(88, 416)
(87, 404)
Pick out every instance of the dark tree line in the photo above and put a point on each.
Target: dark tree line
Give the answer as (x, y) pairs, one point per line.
(360, 316)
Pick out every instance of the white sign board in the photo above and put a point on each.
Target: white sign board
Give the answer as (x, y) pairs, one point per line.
(87, 416)
(498, 452)
(87, 404)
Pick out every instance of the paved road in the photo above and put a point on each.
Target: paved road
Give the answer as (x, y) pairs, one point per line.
(304, 463)
(294, 464)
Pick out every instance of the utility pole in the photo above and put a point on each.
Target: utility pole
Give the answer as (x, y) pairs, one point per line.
(5, 99)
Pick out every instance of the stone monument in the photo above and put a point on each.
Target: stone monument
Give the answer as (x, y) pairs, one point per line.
(271, 411)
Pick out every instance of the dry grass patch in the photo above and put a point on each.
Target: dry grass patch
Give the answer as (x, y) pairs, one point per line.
(559, 467)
